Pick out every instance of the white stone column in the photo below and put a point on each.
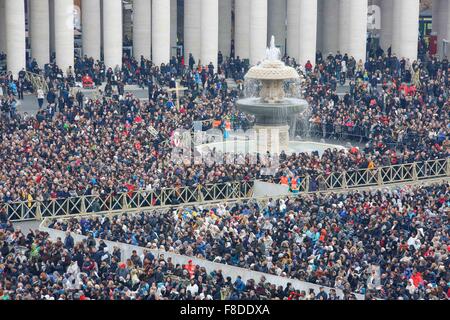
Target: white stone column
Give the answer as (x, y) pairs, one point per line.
(192, 26)
(242, 29)
(307, 32)
(112, 33)
(91, 28)
(15, 36)
(142, 29)
(387, 20)
(277, 11)
(64, 34)
(258, 30)
(293, 26)
(225, 27)
(353, 28)
(52, 27)
(173, 23)
(405, 28)
(160, 31)
(319, 25)
(435, 16)
(40, 31)
(2, 27)
(209, 31)
(443, 19)
(441, 25)
(330, 27)
(447, 27)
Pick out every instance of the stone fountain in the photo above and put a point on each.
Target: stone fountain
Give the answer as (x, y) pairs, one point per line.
(272, 108)
(275, 103)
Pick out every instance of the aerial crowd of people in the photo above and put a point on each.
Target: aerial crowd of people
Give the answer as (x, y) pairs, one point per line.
(396, 111)
(335, 241)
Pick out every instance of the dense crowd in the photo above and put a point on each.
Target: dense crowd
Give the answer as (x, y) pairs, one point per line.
(117, 143)
(333, 240)
(398, 109)
(33, 267)
(391, 101)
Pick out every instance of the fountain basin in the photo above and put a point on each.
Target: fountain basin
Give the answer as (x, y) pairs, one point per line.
(272, 114)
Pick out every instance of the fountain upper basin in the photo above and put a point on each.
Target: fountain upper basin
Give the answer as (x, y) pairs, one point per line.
(272, 70)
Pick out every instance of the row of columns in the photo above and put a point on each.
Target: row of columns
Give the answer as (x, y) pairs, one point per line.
(399, 25)
(343, 26)
(208, 28)
(98, 18)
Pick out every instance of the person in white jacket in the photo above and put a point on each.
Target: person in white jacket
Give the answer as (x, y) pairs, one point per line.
(72, 279)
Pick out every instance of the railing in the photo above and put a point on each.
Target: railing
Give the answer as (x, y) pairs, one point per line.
(146, 200)
(401, 173)
(356, 133)
(131, 201)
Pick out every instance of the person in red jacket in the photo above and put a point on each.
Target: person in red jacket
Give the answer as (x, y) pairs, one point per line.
(190, 267)
(308, 66)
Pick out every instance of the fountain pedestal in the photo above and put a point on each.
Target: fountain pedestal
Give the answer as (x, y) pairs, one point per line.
(273, 139)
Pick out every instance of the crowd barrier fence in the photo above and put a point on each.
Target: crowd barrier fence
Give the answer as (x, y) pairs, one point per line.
(356, 133)
(230, 191)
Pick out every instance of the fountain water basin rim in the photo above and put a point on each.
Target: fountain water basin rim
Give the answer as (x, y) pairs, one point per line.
(256, 107)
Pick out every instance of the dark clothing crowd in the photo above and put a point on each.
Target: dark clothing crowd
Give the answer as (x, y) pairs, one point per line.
(34, 267)
(118, 143)
(336, 240)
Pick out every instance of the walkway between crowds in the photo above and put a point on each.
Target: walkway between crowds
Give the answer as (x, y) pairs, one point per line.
(227, 270)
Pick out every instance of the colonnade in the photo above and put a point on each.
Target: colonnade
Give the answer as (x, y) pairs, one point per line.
(301, 27)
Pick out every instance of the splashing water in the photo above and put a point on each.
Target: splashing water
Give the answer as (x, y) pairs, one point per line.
(273, 53)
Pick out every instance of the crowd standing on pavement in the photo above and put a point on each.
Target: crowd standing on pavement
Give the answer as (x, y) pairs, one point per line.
(385, 244)
(76, 145)
(115, 142)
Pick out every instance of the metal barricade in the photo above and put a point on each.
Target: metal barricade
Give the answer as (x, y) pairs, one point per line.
(227, 191)
(131, 201)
